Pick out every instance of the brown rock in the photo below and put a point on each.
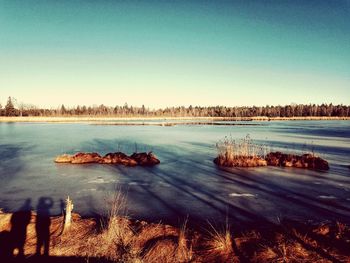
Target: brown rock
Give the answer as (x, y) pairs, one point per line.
(300, 164)
(240, 161)
(300, 161)
(113, 158)
(288, 163)
(81, 158)
(127, 161)
(273, 158)
(145, 159)
(118, 158)
(64, 158)
(314, 162)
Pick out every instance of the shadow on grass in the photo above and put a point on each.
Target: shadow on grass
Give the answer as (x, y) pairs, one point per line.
(53, 259)
(16, 237)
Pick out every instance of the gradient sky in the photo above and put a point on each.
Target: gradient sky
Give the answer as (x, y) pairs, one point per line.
(168, 53)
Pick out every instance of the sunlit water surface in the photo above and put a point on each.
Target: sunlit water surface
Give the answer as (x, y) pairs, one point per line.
(186, 183)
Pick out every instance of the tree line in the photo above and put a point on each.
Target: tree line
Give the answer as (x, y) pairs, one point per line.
(293, 110)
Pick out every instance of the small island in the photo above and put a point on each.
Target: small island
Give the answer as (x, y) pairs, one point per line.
(245, 153)
(142, 159)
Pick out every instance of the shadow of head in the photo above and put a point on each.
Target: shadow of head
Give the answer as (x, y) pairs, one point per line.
(42, 224)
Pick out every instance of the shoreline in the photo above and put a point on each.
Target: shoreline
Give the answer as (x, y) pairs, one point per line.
(121, 239)
(206, 120)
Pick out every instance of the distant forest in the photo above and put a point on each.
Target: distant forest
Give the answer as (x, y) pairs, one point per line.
(294, 110)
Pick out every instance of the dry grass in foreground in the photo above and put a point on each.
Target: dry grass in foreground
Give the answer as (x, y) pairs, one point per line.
(123, 240)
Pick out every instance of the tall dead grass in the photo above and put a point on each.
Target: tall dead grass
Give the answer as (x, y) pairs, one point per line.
(220, 244)
(241, 152)
(231, 149)
(116, 238)
(184, 249)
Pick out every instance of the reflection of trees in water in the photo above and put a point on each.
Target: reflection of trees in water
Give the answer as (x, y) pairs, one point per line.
(42, 225)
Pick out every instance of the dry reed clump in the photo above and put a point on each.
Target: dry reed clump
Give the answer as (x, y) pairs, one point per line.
(240, 153)
(115, 240)
(184, 251)
(283, 249)
(167, 244)
(114, 243)
(74, 241)
(248, 243)
(219, 245)
(5, 221)
(157, 242)
(122, 240)
(299, 242)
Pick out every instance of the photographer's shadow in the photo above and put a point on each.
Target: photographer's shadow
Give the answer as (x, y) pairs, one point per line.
(42, 225)
(12, 242)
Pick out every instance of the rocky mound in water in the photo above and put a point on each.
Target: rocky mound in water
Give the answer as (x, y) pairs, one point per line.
(240, 161)
(308, 161)
(299, 161)
(143, 159)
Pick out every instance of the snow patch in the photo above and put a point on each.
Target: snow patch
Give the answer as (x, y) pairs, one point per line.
(241, 195)
(327, 197)
(96, 181)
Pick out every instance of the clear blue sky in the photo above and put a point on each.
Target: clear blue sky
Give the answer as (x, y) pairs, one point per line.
(165, 53)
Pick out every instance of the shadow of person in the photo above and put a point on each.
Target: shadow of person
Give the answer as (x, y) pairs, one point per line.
(62, 206)
(5, 245)
(19, 222)
(42, 225)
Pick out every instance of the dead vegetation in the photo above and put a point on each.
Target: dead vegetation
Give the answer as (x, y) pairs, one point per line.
(240, 153)
(115, 238)
(219, 245)
(246, 153)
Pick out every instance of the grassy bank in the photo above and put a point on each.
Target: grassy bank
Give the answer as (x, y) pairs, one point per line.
(94, 119)
(119, 239)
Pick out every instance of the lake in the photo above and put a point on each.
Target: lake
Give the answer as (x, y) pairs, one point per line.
(186, 183)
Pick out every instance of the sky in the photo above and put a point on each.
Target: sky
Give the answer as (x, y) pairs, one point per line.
(171, 53)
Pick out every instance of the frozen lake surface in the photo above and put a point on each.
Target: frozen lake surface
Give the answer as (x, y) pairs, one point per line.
(186, 183)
